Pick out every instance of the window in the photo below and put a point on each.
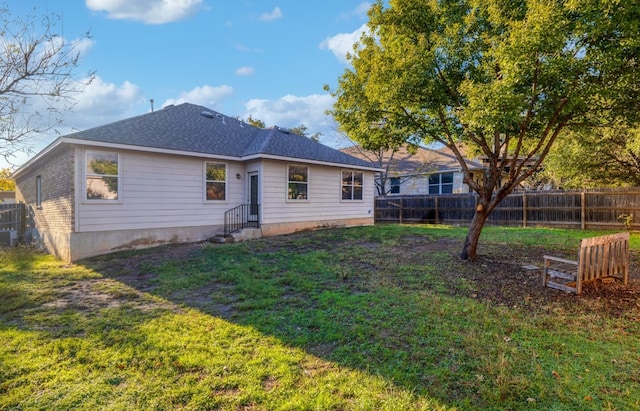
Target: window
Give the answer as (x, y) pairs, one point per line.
(215, 181)
(352, 185)
(441, 183)
(38, 191)
(395, 185)
(298, 181)
(101, 175)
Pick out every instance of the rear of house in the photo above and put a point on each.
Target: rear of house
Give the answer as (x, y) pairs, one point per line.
(172, 175)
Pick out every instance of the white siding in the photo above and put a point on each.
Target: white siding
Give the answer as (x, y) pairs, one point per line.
(324, 196)
(157, 191)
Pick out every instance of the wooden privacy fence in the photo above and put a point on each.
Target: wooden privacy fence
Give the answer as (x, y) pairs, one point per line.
(592, 209)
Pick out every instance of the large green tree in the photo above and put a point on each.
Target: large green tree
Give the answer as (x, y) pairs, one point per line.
(37, 78)
(504, 77)
(607, 156)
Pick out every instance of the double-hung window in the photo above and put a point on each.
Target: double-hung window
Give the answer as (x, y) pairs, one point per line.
(395, 185)
(298, 182)
(102, 172)
(441, 183)
(352, 185)
(215, 181)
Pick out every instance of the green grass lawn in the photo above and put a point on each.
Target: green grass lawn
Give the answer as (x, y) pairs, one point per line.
(364, 318)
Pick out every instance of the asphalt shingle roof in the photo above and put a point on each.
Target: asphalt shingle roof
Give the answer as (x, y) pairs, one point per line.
(193, 128)
(423, 160)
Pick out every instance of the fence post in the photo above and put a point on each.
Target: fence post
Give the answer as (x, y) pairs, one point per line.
(400, 209)
(437, 207)
(524, 209)
(22, 211)
(583, 210)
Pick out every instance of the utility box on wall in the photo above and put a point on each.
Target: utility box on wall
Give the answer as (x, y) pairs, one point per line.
(8, 238)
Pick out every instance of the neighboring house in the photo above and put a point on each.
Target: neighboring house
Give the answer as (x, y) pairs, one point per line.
(423, 171)
(7, 197)
(171, 175)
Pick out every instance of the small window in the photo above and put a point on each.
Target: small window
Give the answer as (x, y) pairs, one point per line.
(352, 185)
(102, 175)
(298, 182)
(215, 181)
(38, 191)
(395, 185)
(441, 183)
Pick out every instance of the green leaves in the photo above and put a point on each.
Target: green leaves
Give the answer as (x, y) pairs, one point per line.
(504, 78)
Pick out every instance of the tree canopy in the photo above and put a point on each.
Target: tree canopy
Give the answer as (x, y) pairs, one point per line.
(600, 157)
(301, 130)
(6, 183)
(37, 78)
(504, 78)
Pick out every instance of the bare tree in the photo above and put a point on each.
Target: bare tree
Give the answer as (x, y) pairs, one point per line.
(37, 78)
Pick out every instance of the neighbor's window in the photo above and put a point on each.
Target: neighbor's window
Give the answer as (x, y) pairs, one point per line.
(298, 182)
(102, 175)
(38, 191)
(215, 181)
(395, 185)
(352, 185)
(441, 183)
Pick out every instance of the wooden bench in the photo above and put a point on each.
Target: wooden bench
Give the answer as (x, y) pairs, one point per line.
(598, 257)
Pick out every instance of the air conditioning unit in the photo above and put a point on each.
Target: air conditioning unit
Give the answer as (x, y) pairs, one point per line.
(8, 238)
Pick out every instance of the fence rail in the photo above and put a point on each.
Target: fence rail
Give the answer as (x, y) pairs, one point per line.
(593, 209)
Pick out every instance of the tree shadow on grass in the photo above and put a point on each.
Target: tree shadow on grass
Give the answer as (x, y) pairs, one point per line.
(404, 309)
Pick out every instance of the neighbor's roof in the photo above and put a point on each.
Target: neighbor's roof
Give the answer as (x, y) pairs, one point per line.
(189, 128)
(422, 161)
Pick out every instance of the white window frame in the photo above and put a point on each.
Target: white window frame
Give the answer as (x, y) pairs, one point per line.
(38, 191)
(392, 186)
(289, 182)
(440, 183)
(225, 181)
(351, 185)
(87, 175)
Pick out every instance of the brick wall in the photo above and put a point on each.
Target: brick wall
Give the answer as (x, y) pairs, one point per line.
(56, 213)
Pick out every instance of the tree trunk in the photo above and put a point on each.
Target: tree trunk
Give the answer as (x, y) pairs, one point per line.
(470, 247)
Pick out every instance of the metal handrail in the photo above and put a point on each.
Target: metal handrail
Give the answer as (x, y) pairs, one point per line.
(242, 216)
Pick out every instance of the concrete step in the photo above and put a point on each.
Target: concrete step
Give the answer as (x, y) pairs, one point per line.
(238, 236)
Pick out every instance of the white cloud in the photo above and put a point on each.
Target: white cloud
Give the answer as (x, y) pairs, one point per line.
(292, 111)
(146, 11)
(359, 12)
(101, 102)
(83, 46)
(274, 15)
(97, 104)
(205, 95)
(245, 71)
(342, 43)
(362, 9)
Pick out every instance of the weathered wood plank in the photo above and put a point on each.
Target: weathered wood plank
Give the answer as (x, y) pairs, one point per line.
(562, 287)
(598, 257)
(561, 274)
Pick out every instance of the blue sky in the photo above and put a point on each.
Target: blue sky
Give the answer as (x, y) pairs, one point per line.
(264, 59)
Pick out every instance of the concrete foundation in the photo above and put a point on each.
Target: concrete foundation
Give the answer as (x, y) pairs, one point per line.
(84, 245)
(76, 246)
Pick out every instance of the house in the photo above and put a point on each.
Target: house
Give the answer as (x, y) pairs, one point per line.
(182, 174)
(417, 171)
(7, 197)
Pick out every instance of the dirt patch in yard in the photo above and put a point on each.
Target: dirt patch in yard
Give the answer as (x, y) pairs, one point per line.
(504, 275)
